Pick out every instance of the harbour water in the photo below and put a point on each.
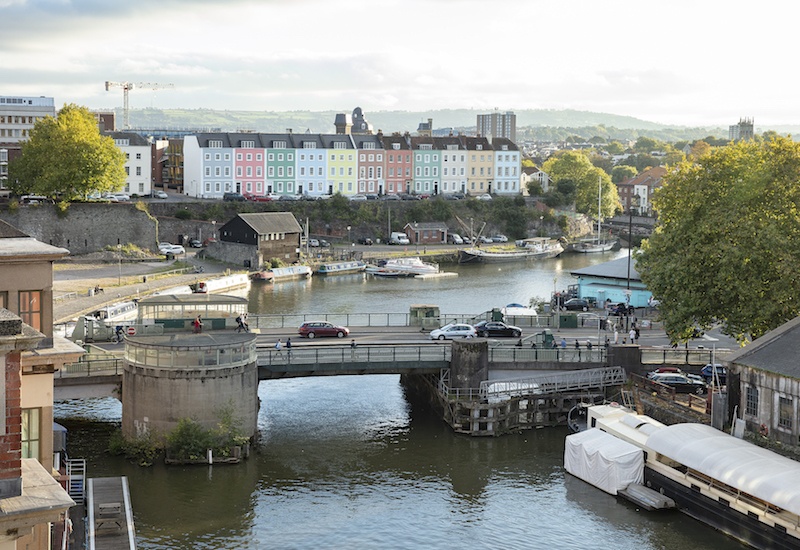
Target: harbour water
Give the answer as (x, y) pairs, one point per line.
(348, 462)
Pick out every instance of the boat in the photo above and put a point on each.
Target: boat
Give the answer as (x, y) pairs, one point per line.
(518, 310)
(261, 276)
(290, 273)
(403, 267)
(229, 282)
(120, 311)
(339, 268)
(596, 244)
(745, 491)
(538, 248)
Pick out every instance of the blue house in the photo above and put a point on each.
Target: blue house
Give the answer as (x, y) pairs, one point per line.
(610, 281)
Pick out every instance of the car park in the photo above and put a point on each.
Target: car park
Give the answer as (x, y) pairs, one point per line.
(497, 329)
(714, 374)
(312, 329)
(453, 330)
(680, 383)
(576, 304)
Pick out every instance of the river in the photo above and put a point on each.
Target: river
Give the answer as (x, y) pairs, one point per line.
(347, 462)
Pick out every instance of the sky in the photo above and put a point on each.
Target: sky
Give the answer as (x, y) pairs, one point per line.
(678, 62)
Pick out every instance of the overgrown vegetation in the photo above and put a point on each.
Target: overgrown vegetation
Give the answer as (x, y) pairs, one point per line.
(141, 450)
(189, 440)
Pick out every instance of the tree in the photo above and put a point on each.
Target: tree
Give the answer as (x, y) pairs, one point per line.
(726, 245)
(575, 176)
(622, 172)
(67, 157)
(699, 148)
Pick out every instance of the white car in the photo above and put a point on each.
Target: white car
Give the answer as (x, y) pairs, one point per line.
(160, 195)
(453, 330)
(122, 197)
(484, 197)
(169, 248)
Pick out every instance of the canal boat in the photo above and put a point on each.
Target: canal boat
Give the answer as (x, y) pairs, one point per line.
(745, 491)
(229, 282)
(538, 248)
(341, 268)
(118, 312)
(402, 267)
(278, 274)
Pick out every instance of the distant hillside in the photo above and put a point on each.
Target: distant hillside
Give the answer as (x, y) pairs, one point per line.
(531, 124)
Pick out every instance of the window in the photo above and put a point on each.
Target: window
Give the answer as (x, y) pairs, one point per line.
(31, 432)
(258, 171)
(249, 156)
(238, 156)
(785, 412)
(339, 145)
(138, 156)
(4, 299)
(248, 144)
(138, 170)
(239, 171)
(279, 145)
(214, 143)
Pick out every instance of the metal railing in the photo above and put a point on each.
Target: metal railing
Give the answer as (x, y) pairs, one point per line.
(91, 367)
(65, 297)
(561, 382)
(513, 354)
(693, 356)
(360, 354)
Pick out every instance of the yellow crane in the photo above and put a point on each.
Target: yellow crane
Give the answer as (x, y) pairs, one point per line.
(127, 87)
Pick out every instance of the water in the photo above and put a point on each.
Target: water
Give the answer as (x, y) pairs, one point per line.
(348, 462)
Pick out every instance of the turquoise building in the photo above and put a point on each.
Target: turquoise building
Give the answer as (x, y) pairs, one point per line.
(611, 281)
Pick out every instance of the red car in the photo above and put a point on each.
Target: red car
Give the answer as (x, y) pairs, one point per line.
(322, 328)
(258, 198)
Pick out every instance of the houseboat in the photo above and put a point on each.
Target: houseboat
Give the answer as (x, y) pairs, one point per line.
(410, 266)
(278, 274)
(114, 313)
(740, 489)
(341, 268)
(539, 248)
(229, 282)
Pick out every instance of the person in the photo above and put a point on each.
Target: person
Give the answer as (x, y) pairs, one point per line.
(198, 325)
(352, 349)
(289, 348)
(519, 343)
(118, 334)
(636, 333)
(608, 343)
(245, 323)
(98, 290)
(616, 335)
(278, 348)
(577, 344)
(563, 343)
(533, 345)
(632, 334)
(239, 324)
(588, 344)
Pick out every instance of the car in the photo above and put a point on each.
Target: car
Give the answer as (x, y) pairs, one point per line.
(324, 244)
(365, 240)
(621, 309)
(453, 330)
(196, 243)
(358, 198)
(160, 195)
(466, 240)
(484, 197)
(499, 239)
(372, 197)
(233, 197)
(313, 243)
(497, 328)
(454, 197)
(289, 198)
(312, 329)
(259, 198)
(409, 197)
(484, 239)
(665, 370)
(391, 197)
(680, 382)
(455, 238)
(169, 248)
(208, 241)
(576, 304)
(122, 197)
(714, 373)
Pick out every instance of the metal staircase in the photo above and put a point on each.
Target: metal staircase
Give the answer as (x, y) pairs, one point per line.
(76, 479)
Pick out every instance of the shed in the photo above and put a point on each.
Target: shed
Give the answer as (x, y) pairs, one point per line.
(426, 233)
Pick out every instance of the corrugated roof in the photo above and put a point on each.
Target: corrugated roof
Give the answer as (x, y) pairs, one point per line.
(272, 222)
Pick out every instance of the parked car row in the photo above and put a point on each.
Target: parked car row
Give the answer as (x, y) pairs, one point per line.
(485, 329)
(686, 382)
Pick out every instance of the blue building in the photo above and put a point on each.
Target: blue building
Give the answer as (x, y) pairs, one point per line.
(611, 281)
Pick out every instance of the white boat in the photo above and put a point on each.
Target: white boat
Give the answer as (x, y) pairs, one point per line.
(121, 311)
(290, 273)
(339, 268)
(745, 491)
(538, 248)
(229, 282)
(410, 266)
(518, 310)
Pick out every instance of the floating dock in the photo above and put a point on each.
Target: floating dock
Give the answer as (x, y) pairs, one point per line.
(110, 516)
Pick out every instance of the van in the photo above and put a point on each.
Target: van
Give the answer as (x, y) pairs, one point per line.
(398, 238)
(454, 238)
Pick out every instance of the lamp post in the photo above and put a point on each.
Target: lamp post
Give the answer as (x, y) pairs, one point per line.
(634, 203)
(348, 235)
(213, 229)
(119, 264)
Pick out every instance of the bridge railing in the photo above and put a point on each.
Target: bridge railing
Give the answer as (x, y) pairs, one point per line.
(347, 354)
(513, 354)
(362, 319)
(91, 367)
(541, 384)
(670, 356)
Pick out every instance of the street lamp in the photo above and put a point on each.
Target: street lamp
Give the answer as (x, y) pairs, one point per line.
(348, 235)
(634, 204)
(119, 263)
(213, 229)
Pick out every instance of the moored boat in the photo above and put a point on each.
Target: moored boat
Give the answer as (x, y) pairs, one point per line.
(538, 248)
(229, 282)
(290, 273)
(404, 267)
(340, 268)
(593, 246)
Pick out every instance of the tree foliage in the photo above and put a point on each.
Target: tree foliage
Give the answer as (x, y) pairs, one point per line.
(726, 245)
(575, 176)
(67, 157)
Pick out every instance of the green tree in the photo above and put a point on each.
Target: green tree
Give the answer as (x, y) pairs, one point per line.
(577, 180)
(67, 157)
(623, 172)
(725, 247)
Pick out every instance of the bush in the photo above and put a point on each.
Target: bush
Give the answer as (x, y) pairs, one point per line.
(183, 214)
(143, 450)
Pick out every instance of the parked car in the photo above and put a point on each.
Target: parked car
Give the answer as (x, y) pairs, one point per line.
(289, 198)
(484, 197)
(621, 309)
(313, 243)
(358, 198)
(714, 373)
(372, 197)
(496, 328)
(365, 240)
(313, 329)
(466, 240)
(160, 195)
(453, 330)
(484, 239)
(169, 248)
(576, 304)
(454, 238)
(680, 382)
(391, 197)
(499, 239)
(233, 197)
(259, 198)
(665, 370)
(196, 243)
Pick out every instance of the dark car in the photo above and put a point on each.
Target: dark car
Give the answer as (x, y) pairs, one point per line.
(390, 197)
(576, 304)
(372, 197)
(680, 382)
(322, 328)
(621, 309)
(496, 328)
(714, 374)
(365, 240)
(233, 197)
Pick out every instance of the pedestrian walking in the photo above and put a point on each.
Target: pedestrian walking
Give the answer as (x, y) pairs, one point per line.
(563, 343)
(577, 344)
(289, 348)
(588, 344)
(278, 348)
(632, 334)
(616, 335)
(198, 325)
(636, 333)
(352, 349)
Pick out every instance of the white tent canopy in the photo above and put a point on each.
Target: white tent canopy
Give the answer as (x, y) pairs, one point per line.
(603, 460)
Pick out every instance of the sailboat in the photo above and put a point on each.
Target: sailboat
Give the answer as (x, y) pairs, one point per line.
(596, 244)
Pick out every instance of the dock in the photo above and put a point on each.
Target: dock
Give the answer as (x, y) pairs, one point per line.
(110, 516)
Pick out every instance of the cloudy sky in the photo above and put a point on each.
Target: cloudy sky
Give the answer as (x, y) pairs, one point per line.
(681, 62)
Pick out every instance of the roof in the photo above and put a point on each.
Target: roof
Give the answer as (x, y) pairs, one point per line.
(427, 225)
(133, 138)
(777, 351)
(15, 245)
(615, 269)
(742, 465)
(272, 222)
(9, 231)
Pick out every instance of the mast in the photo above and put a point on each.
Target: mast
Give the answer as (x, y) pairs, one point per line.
(599, 207)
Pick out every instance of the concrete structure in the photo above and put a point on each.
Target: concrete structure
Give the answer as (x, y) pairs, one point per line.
(18, 114)
(763, 381)
(743, 131)
(198, 376)
(498, 125)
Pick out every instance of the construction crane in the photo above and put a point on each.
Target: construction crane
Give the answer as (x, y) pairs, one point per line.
(127, 87)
